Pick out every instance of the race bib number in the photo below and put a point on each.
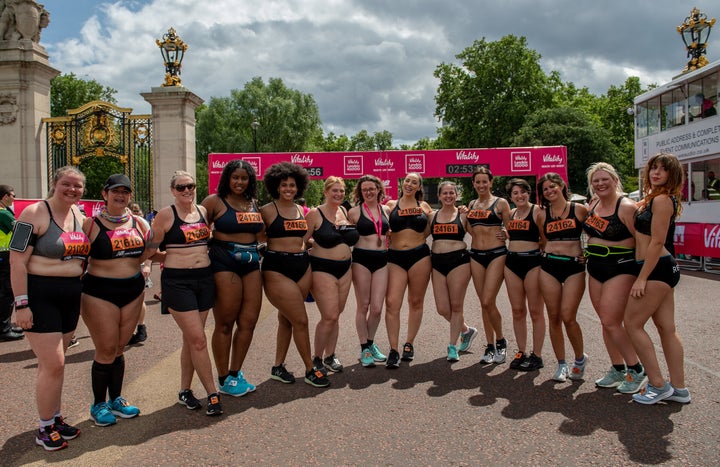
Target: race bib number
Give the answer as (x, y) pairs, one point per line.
(518, 224)
(77, 245)
(560, 225)
(597, 223)
(410, 211)
(294, 225)
(248, 217)
(125, 239)
(440, 229)
(195, 232)
(479, 214)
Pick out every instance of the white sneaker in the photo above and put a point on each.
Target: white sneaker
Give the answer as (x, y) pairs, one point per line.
(561, 374)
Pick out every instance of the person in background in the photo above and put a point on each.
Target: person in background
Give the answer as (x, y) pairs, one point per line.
(451, 268)
(333, 236)
(522, 273)
(140, 334)
(46, 278)
(652, 293)
(286, 269)
(7, 220)
(486, 218)
(187, 283)
(562, 275)
(369, 264)
(235, 260)
(610, 254)
(409, 265)
(113, 295)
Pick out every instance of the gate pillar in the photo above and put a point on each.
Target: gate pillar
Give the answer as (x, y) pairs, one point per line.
(173, 144)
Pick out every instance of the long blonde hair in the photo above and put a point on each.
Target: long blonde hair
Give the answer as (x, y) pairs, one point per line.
(605, 167)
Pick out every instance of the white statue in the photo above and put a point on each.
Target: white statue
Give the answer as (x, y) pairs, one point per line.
(22, 19)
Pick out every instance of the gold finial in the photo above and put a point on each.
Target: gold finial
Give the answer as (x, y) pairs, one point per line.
(695, 31)
(173, 50)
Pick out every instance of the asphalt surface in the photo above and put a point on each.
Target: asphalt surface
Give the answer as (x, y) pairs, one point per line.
(427, 412)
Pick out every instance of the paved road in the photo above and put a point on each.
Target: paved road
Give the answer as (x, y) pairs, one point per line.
(428, 412)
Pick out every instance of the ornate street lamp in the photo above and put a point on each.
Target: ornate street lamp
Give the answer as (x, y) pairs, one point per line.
(695, 31)
(172, 49)
(255, 125)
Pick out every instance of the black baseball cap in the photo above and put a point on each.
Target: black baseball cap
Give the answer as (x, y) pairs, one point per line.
(116, 181)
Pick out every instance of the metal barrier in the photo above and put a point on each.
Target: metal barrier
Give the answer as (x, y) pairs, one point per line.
(690, 263)
(711, 265)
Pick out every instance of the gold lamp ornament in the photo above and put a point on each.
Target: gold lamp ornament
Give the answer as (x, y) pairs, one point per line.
(173, 50)
(695, 31)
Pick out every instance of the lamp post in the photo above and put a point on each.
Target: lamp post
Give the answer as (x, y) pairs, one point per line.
(255, 125)
(695, 31)
(173, 50)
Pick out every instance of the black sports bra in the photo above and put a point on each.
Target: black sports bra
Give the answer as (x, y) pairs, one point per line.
(452, 230)
(365, 225)
(567, 228)
(117, 243)
(186, 234)
(281, 227)
(485, 217)
(524, 230)
(409, 218)
(330, 235)
(643, 224)
(233, 221)
(609, 228)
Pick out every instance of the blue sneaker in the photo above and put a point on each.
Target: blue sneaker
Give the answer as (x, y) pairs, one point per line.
(376, 354)
(366, 358)
(452, 354)
(102, 415)
(612, 379)
(122, 409)
(242, 382)
(633, 382)
(578, 369)
(652, 395)
(232, 387)
(678, 395)
(466, 339)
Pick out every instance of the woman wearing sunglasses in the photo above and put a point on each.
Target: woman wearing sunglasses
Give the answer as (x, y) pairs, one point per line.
(188, 289)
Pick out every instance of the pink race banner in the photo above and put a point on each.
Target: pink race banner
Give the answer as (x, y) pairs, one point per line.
(89, 206)
(697, 239)
(390, 166)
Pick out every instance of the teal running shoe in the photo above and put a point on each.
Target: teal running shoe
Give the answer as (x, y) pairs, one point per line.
(612, 379)
(232, 387)
(653, 395)
(120, 408)
(102, 415)
(680, 395)
(466, 339)
(633, 382)
(452, 354)
(376, 354)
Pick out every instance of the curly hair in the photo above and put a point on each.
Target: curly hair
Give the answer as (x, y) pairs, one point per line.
(557, 180)
(223, 188)
(357, 197)
(675, 181)
(276, 173)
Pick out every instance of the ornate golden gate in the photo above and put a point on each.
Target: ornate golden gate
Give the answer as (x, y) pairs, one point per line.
(99, 129)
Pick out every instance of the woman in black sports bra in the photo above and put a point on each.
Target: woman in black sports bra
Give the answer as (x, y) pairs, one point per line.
(562, 276)
(286, 268)
(113, 295)
(408, 265)
(451, 269)
(369, 264)
(485, 220)
(652, 294)
(188, 289)
(235, 261)
(612, 269)
(522, 272)
(45, 279)
(332, 236)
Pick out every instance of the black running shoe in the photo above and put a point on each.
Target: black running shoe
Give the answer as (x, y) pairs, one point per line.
(279, 373)
(332, 363)
(214, 407)
(408, 352)
(318, 363)
(317, 378)
(50, 439)
(519, 359)
(533, 363)
(65, 430)
(139, 336)
(188, 399)
(393, 360)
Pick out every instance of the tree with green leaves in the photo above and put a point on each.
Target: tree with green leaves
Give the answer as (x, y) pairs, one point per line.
(69, 92)
(586, 140)
(484, 100)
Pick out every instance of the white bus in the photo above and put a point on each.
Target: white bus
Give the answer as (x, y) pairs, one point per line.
(681, 117)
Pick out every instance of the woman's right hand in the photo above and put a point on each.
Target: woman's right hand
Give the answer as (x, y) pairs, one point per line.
(24, 318)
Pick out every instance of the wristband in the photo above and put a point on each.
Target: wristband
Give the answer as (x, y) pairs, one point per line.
(22, 307)
(21, 300)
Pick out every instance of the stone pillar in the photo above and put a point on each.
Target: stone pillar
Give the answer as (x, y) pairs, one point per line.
(25, 75)
(173, 137)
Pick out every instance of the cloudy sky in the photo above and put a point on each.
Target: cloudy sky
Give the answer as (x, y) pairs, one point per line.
(368, 63)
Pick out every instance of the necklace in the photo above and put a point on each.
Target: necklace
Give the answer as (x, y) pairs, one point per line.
(561, 213)
(121, 219)
(377, 223)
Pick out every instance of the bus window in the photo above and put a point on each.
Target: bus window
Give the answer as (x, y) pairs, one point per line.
(673, 108)
(703, 97)
(653, 115)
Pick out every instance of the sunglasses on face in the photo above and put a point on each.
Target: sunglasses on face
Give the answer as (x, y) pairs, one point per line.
(189, 186)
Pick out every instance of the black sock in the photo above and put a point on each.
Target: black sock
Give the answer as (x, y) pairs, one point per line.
(491, 347)
(221, 379)
(364, 346)
(116, 378)
(620, 367)
(501, 344)
(100, 374)
(234, 373)
(637, 367)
